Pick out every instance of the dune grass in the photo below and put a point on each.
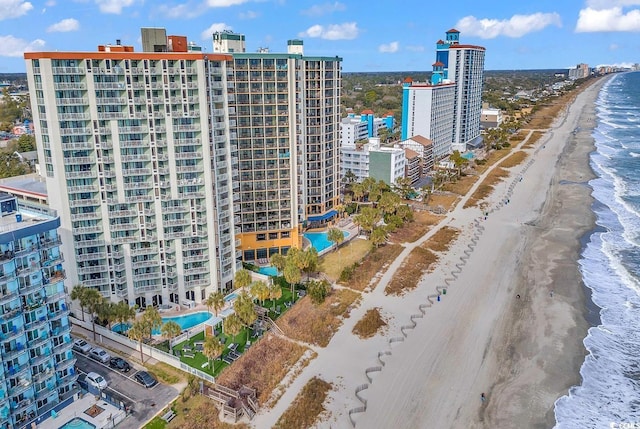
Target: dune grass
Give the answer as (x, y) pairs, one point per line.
(306, 407)
(370, 324)
(332, 263)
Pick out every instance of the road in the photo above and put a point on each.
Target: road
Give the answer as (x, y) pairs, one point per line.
(145, 402)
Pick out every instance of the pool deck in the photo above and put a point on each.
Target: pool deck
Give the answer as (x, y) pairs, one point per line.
(345, 225)
(77, 408)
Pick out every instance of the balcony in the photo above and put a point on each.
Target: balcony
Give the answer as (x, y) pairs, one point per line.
(134, 143)
(188, 127)
(86, 202)
(152, 250)
(136, 171)
(188, 155)
(81, 174)
(186, 142)
(76, 131)
(73, 117)
(71, 101)
(67, 70)
(196, 270)
(86, 216)
(13, 334)
(88, 243)
(142, 157)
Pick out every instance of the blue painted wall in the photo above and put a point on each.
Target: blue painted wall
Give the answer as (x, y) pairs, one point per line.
(405, 109)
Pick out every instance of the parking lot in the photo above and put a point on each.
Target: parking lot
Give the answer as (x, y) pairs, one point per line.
(144, 403)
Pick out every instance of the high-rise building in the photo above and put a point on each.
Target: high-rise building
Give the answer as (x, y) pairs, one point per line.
(138, 161)
(36, 358)
(447, 109)
(284, 111)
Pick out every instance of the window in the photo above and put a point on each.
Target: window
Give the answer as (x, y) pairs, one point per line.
(261, 237)
(273, 236)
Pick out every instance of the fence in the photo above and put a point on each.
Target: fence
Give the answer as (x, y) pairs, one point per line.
(186, 335)
(152, 352)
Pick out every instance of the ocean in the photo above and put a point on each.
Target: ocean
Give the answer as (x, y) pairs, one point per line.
(609, 394)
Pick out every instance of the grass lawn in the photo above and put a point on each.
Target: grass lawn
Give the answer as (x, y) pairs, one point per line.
(333, 263)
(197, 412)
(156, 423)
(199, 359)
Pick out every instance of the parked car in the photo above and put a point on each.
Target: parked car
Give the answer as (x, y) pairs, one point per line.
(81, 346)
(100, 355)
(146, 379)
(119, 364)
(96, 380)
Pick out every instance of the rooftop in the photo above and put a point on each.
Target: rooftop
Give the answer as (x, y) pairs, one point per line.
(29, 183)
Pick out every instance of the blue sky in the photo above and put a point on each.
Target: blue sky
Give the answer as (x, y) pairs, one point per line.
(369, 35)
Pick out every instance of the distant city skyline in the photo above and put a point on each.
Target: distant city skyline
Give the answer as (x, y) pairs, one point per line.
(368, 36)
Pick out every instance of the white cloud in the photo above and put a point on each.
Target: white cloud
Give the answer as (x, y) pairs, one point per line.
(614, 47)
(249, 15)
(50, 3)
(325, 8)
(218, 26)
(14, 8)
(389, 48)
(345, 31)
(414, 48)
(516, 26)
(607, 4)
(13, 47)
(613, 19)
(64, 26)
(114, 6)
(184, 10)
(225, 3)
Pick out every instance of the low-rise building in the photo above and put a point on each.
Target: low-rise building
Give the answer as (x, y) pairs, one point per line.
(490, 117)
(372, 160)
(412, 169)
(355, 128)
(424, 148)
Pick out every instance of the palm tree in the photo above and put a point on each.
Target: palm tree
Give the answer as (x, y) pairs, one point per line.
(123, 312)
(232, 325)
(152, 319)
(244, 309)
(367, 219)
(275, 293)
(215, 302)
(379, 236)
(93, 300)
(77, 294)
(137, 332)
(388, 203)
(278, 260)
(212, 348)
(292, 275)
(358, 192)
(259, 290)
(170, 330)
(242, 279)
(106, 312)
(336, 236)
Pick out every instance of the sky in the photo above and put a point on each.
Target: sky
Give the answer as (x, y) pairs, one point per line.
(369, 35)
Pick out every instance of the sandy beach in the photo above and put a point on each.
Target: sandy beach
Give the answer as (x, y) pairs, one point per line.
(522, 352)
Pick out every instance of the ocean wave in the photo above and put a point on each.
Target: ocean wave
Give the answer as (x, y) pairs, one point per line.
(610, 267)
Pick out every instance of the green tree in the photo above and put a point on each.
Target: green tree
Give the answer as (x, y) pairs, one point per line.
(259, 290)
(307, 260)
(123, 312)
(232, 325)
(367, 219)
(403, 187)
(212, 348)
(335, 236)
(275, 293)
(152, 319)
(349, 177)
(77, 294)
(388, 203)
(278, 260)
(379, 236)
(215, 302)
(137, 332)
(244, 309)
(27, 143)
(318, 291)
(405, 212)
(170, 330)
(242, 279)
(93, 301)
(358, 191)
(292, 275)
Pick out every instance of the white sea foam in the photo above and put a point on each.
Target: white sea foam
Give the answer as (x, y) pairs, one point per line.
(610, 266)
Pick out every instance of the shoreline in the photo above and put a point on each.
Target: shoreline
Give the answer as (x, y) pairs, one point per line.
(565, 209)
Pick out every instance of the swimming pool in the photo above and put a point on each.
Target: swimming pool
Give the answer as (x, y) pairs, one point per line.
(189, 320)
(231, 297)
(468, 155)
(319, 239)
(185, 321)
(77, 423)
(268, 271)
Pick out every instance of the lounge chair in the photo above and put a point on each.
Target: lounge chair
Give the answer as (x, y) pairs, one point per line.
(227, 360)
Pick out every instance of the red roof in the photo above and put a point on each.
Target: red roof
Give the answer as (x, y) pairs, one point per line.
(408, 80)
(367, 112)
(440, 42)
(438, 64)
(388, 114)
(453, 30)
(456, 46)
(410, 154)
(422, 140)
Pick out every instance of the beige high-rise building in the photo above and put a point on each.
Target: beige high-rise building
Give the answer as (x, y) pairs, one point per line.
(284, 109)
